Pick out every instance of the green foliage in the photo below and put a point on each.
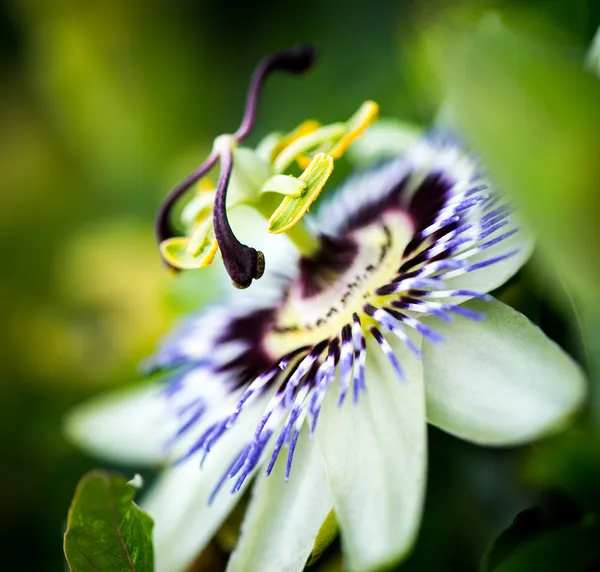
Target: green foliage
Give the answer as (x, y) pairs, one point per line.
(553, 536)
(326, 535)
(106, 530)
(531, 109)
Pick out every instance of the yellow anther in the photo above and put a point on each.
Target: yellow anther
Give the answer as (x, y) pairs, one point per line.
(291, 209)
(309, 142)
(306, 127)
(365, 116)
(303, 161)
(354, 128)
(210, 252)
(177, 253)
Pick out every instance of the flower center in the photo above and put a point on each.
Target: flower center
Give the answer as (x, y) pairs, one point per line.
(254, 178)
(338, 281)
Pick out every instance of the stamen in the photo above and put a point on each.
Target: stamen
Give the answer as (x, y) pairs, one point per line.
(354, 128)
(292, 209)
(306, 127)
(363, 118)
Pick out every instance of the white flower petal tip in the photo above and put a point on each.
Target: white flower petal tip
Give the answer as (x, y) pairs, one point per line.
(500, 381)
(284, 518)
(127, 426)
(374, 453)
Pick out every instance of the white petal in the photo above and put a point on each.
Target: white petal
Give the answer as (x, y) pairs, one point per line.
(488, 278)
(374, 455)
(179, 502)
(284, 518)
(128, 426)
(500, 381)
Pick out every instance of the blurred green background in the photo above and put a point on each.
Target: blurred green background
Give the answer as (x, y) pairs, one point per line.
(104, 105)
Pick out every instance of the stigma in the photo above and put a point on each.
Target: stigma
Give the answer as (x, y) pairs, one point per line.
(260, 178)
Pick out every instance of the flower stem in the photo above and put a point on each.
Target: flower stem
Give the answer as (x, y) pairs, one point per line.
(305, 242)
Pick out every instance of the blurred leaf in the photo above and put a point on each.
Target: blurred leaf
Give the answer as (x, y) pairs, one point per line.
(570, 463)
(327, 534)
(106, 530)
(593, 57)
(533, 114)
(529, 533)
(569, 548)
(591, 327)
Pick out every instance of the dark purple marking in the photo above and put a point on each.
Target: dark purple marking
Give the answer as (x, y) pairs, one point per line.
(335, 256)
(371, 212)
(430, 197)
(250, 329)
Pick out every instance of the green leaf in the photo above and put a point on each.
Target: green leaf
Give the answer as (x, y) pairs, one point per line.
(593, 57)
(570, 463)
(531, 109)
(327, 534)
(528, 535)
(106, 530)
(572, 547)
